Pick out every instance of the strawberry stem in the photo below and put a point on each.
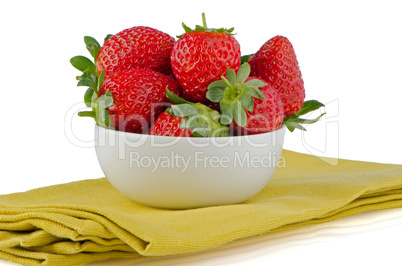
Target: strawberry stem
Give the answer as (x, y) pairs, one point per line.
(204, 28)
(204, 21)
(87, 114)
(226, 81)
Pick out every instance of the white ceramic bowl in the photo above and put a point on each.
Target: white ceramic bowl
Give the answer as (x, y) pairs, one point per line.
(181, 173)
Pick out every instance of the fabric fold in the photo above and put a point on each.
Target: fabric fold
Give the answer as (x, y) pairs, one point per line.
(89, 220)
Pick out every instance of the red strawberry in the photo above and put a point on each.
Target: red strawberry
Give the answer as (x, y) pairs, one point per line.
(266, 116)
(247, 103)
(138, 95)
(276, 63)
(168, 125)
(202, 56)
(187, 119)
(137, 47)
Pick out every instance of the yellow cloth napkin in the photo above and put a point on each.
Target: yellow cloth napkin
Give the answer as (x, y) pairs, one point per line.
(86, 221)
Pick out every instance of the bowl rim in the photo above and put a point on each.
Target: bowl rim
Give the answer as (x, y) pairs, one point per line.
(283, 127)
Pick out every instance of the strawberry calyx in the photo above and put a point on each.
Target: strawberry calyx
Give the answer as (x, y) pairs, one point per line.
(294, 121)
(204, 28)
(235, 95)
(245, 58)
(199, 118)
(93, 81)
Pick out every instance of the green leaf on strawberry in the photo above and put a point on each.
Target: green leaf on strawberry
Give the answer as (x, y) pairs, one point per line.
(245, 58)
(227, 114)
(199, 118)
(107, 37)
(294, 121)
(90, 79)
(239, 115)
(100, 81)
(88, 97)
(92, 45)
(215, 94)
(205, 28)
(184, 110)
(309, 106)
(102, 114)
(99, 109)
(87, 83)
(83, 64)
(174, 98)
(247, 102)
(234, 95)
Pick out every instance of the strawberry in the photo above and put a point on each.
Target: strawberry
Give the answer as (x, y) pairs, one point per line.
(136, 47)
(138, 96)
(276, 63)
(126, 86)
(266, 116)
(249, 104)
(202, 56)
(168, 125)
(128, 99)
(187, 119)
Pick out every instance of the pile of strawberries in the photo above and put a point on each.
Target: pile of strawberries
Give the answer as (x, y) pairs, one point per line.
(144, 81)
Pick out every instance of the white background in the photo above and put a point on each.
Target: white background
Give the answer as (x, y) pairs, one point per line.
(350, 55)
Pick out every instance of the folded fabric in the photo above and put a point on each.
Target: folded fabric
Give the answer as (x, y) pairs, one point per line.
(87, 221)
